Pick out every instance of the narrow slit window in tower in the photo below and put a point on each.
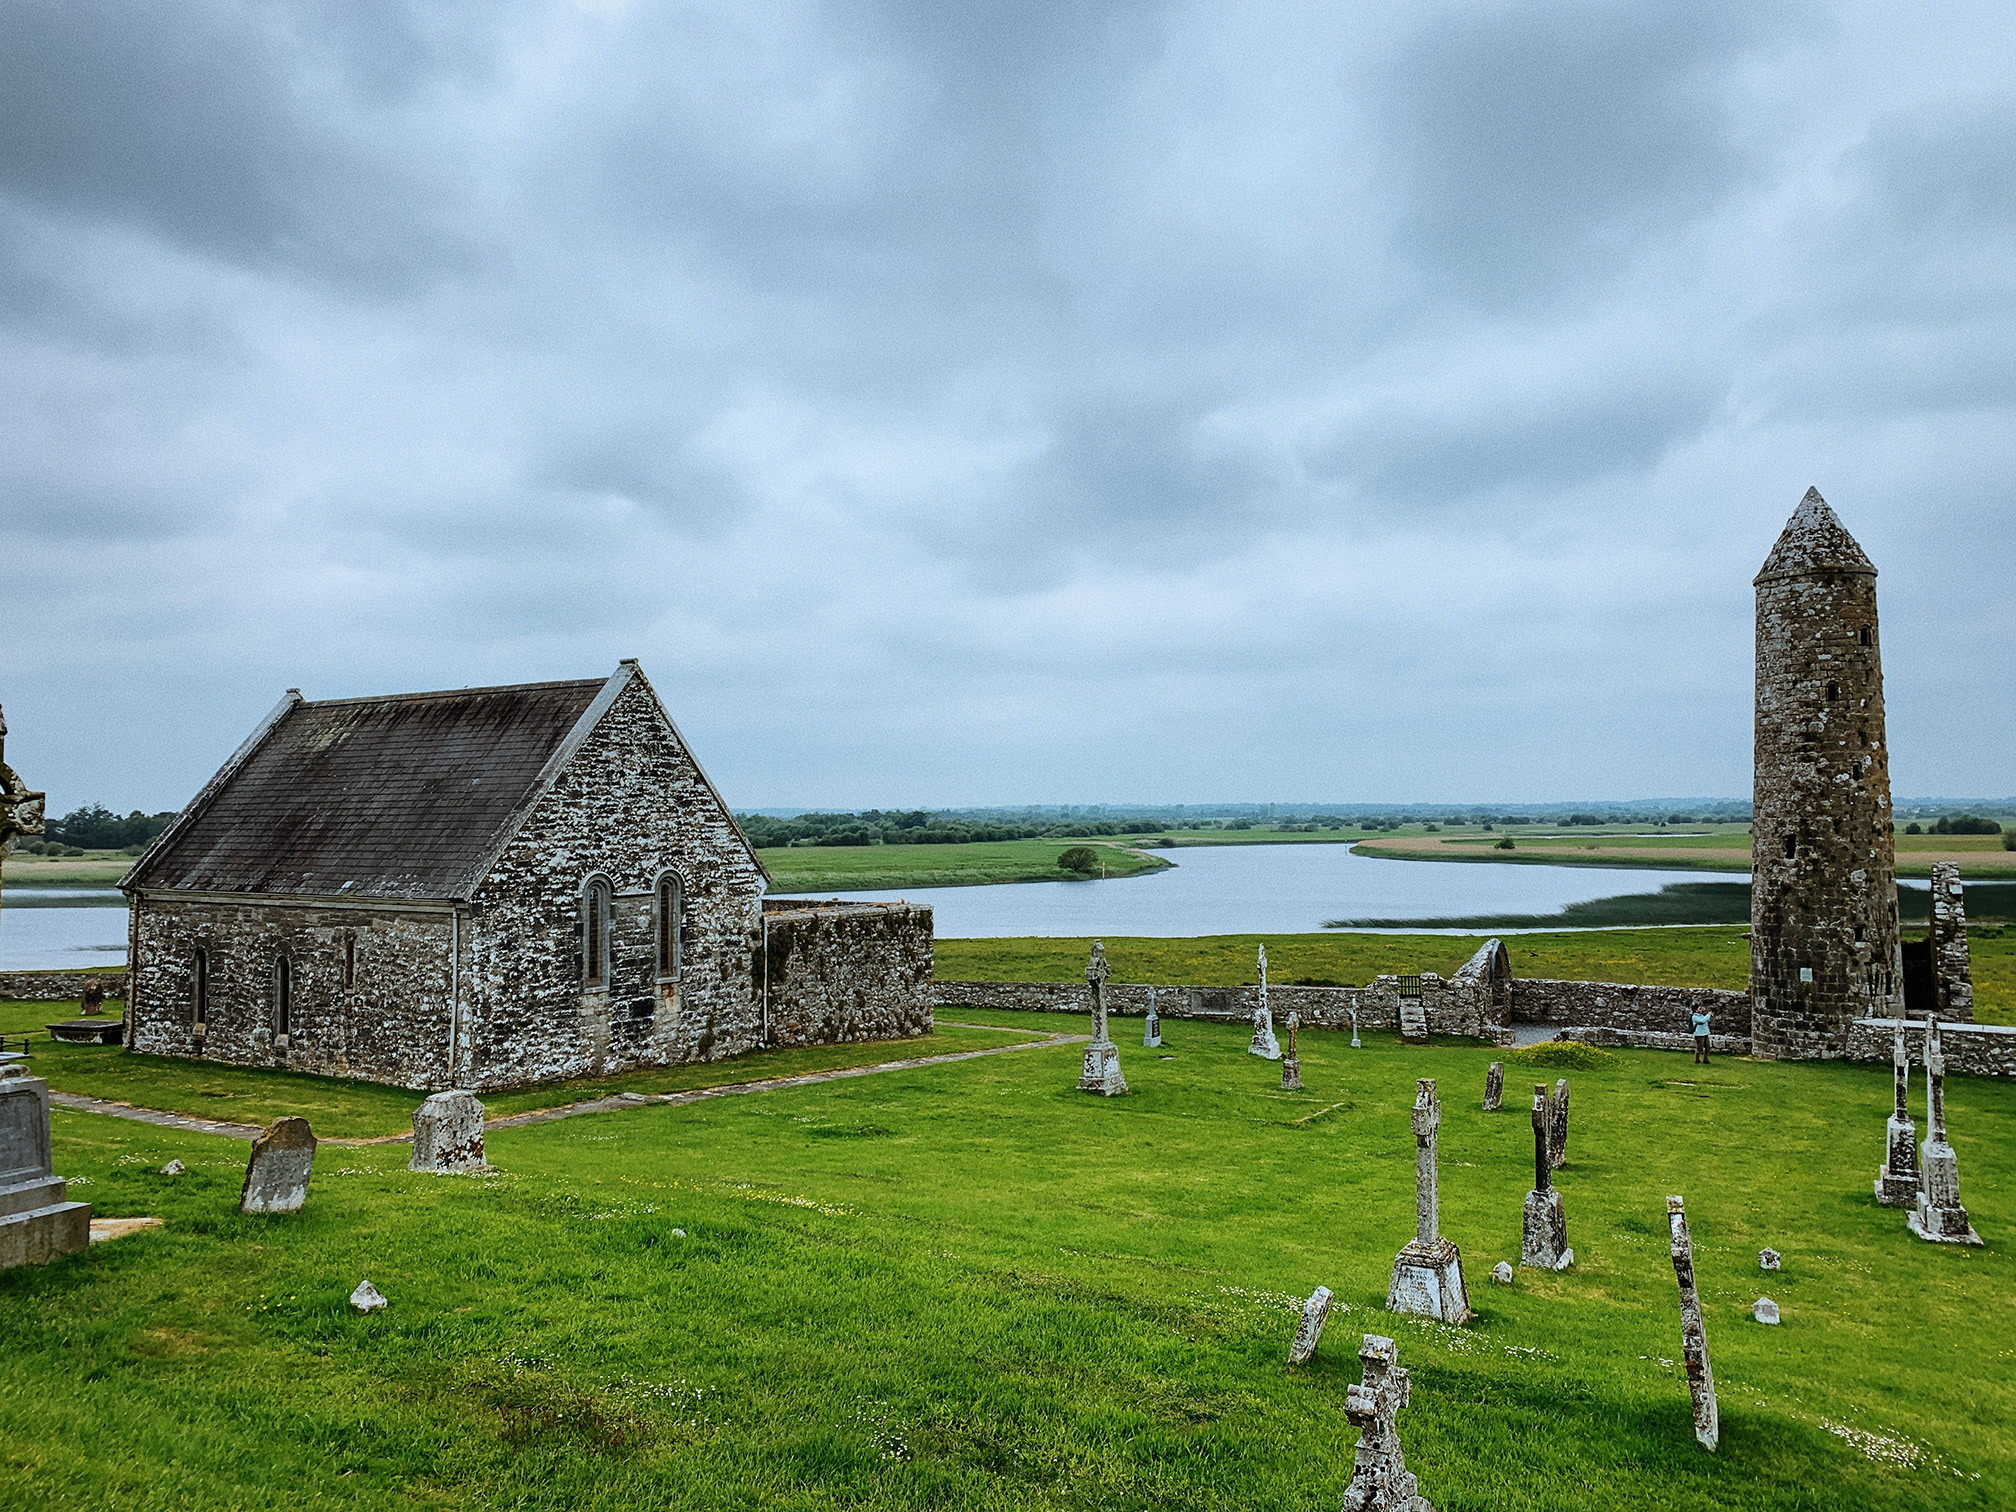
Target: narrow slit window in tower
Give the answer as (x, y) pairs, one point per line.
(1791, 846)
(349, 960)
(1833, 692)
(199, 986)
(283, 995)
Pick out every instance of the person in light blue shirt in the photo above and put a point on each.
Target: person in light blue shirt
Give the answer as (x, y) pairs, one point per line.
(1702, 1018)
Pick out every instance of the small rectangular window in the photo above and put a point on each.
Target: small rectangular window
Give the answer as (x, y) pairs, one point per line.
(350, 960)
(1791, 846)
(1863, 635)
(1805, 973)
(283, 995)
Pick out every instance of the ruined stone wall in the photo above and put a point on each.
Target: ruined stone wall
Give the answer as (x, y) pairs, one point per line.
(55, 986)
(1606, 1037)
(1970, 1049)
(1952, 967)
(840, 972)
(1824, 937)
(630, 806)
(389, 1022)
(1614, 1005)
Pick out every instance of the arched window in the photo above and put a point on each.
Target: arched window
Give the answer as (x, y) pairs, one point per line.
(671, 925)
(596, 905)
(283, 995)
(199, 986)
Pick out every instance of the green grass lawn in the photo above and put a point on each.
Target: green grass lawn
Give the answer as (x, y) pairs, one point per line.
(971, 1286)
(860, 868)
(341, 1109)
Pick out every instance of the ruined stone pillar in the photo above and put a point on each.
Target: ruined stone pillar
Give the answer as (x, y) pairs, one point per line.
(1102, 1056)
(1939, 1216)
(1952, 969)
(1693, 1333)
(1897, 1177)
(1494, 1087)
(1824, 943)
(1291, 1064)
(1544, 1238)
(1557, 1126)
(1428, 1271)
(1264, 1044)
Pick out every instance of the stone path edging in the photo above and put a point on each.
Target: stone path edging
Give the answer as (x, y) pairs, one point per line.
(614, 1103)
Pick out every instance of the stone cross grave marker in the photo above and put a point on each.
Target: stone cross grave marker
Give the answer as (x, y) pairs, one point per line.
(276, 1177)
(448, 1135)
(1315, 1312)
(1939, 1216)
(1557, 1126)
(1544, 1239)
(1264, 1044)
(1102, 1056)
(1494, 1087)
(1693, 1335)
(1151, 1031)
(1291, 1063)
(1897, 1177)
(1380, 1480)
(1428, 1271)
(37, 1223)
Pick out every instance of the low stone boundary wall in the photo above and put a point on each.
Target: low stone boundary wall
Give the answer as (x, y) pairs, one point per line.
(1618, 1005)
(1970, 1049)
(836, 973)
(1606, 1038)
(54, 986)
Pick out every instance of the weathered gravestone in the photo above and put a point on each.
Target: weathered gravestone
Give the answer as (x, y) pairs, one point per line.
(1939, 1216)
(1380, 1480)
(1102, 1056)
(37, 1224)
(1769, 1259)
(1502, 1273)
(276, 1177)
(448, 1134)
(1544, 1240)
(1264, 1044)
(1557, 1126)
(1897, 1177)
(1151, 1030)
(1764, 1310)
(1291, 1063)
(1428, 1271)
(1494, 1087)
(1315, 1312)
(1693, 1335)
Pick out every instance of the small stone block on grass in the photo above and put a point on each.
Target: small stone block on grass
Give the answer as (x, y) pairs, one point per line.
(367, 1298)
(1768, 1259)
(276, 1177)
(1764, 1310)
(1502, 1273)
(103, 1229)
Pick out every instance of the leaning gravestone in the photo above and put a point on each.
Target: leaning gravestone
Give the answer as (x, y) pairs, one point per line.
(1557, 1126)
(276, 1177)
(37, 1224)
(1380, 1480)
(1693, 1335)
(448, 1134)
(1315, 1312)
(1428, 1271)
(1544, 1240)
(1494, 1087)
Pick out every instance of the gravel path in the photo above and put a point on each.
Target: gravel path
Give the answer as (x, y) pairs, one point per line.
(615, 1103)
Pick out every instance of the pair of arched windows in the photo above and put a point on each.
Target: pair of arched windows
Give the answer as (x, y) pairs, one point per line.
(598, 909)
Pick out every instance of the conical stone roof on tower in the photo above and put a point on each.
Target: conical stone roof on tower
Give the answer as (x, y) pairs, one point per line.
(1823, 942)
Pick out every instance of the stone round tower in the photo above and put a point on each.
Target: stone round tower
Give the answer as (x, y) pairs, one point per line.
(1823, 911)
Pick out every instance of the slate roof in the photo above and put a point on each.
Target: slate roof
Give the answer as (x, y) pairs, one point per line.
(1814, 540)
(400, 797)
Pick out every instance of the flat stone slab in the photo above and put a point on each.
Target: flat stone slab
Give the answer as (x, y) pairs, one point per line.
(90, 1031)
(276, 1177)
(106, 1229)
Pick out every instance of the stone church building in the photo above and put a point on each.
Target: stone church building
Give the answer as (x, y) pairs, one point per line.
(487, 888)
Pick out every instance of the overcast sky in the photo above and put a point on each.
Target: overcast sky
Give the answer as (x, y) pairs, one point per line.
(998, 403)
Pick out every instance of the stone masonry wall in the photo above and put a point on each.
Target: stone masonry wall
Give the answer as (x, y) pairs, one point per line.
(840, 972)
(630, 806)
(388, 1024)
(1824, 936)
(55, 986)
(1970, 1049)
(1613, 1005)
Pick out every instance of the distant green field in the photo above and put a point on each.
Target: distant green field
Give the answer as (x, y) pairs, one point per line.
(862, 868)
